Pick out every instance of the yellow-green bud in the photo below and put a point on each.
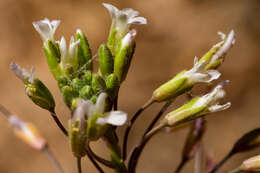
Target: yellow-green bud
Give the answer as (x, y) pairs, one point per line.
(98, 84)
(86, 92)
(68, 94)
(87, 77)
(112, 84)
(77, 84)
(251, 165)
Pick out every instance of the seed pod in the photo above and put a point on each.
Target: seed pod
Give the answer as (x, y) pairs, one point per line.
(106, 60)
(84, 51)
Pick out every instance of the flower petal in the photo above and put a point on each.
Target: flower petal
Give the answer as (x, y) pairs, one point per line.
(216, 108)
(20, 72)
(113, 11)
(116, 118)
(137, 20)
(100, 104)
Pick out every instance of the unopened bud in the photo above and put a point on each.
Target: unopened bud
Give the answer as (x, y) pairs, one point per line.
(68, 94)
(124, 55)
(77, 84)
(251, 165)
(84, 51)
(86, 92)
(105, 60)
(98, 84)
(112, 84)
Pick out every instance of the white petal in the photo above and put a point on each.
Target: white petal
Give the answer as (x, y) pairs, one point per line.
(46, 28)
(116, 118)
(16, 122)
(137, 20)
(31, 79)
(216, 108)
(20, 72)
(130, 12)
(207, 77)
(63, 47)
(73, 47)
(87, 106)
(113, 11)
(101, 103)
(80, 113)
(214, 75)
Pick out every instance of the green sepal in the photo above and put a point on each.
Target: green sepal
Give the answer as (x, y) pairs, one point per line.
(98, 84)
(112, 84)
(94, 99)
(53, 56)
(68, 94)
(84, 52)
(94, 130)
(87, 77)
(106, 60)
(40, 94)
(86, 92)
(112, 41)
(77, 84)
(77, 138)
(173, 88)
(122, 61)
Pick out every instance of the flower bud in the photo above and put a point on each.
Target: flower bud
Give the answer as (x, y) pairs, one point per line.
(98, 84)
(28, 133)
(68, 95)
(77, 132)
(106, 60)
(86, 92)
(197, 107)
(77, 84)
(215, 56)
(184, 81)
(84, 51)
(87, 77)
(112, 85)
(124, 55)
(251, 165)
(34, 88)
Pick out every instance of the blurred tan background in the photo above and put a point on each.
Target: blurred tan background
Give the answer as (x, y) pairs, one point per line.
(177, 30)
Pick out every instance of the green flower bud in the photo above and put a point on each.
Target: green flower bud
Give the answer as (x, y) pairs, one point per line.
(106, 60)
(184, 81)
(87, 77)
(34, 88)
(77, 133)
(62, 81)
(124, 56)
(98, 84)
(86, 92)
(197, 107)
(94, 99)
(112, 41)
(112, 84)
(68, 94)
(77, 84)
(84, 51)
(53, 56)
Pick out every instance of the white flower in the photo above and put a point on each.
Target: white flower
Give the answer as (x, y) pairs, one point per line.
(212, 99)
(227, 42)
(122, 19)
(116, 118)
(46, 28)
(199, 74)
(68, 56)
(22, 73)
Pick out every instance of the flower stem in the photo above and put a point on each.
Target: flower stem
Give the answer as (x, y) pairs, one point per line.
(133, 161)
(91, 158)
(53, 159)
(79, 164)
(59, 124)
(180, 166)
(217, 166)
(130, 125)
(158, 116)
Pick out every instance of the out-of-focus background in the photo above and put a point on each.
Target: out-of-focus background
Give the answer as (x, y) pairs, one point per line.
(177, 30)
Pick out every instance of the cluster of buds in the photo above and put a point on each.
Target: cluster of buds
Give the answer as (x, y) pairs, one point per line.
(88, 94)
